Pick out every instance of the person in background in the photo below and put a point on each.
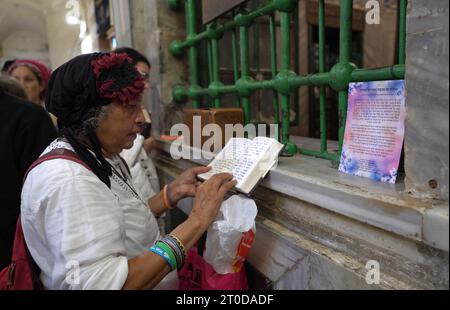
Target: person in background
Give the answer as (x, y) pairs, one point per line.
(34, 77)
(12, 87)
(25, 132)
(90, 216)
(141, 165)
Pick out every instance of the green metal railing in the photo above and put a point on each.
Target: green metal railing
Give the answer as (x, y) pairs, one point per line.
(284, 81)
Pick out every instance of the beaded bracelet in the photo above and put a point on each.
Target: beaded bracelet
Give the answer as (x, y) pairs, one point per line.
(164, 253)
(178, 242)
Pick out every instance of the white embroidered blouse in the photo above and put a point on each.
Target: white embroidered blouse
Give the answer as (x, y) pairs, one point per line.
(81, 233)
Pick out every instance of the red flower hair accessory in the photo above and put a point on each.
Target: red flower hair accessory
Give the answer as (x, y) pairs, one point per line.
(117, 78)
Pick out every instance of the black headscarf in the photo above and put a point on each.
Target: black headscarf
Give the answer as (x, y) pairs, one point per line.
(86, 82)
(72, 91)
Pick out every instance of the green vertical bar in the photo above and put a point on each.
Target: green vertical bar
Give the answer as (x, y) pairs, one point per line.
(296, 20)
(209, 53)
(297, 41)
(235, 61)
(216, 68)
(345, 50)
(285, 23)
(323, 107)
(210, 66)
(402, 32)
(257, 49)
(273, 47)
(345, 43)
(285, 66)
(245, 70)
(256, 36)
(215, 60)
(191, 20)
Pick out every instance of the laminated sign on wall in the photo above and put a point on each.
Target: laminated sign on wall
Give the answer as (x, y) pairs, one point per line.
(375, 130)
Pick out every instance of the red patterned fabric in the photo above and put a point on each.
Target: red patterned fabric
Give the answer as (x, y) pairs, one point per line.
(114, 87)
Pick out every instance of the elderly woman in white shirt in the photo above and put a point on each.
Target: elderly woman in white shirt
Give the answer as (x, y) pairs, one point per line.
(86, 225)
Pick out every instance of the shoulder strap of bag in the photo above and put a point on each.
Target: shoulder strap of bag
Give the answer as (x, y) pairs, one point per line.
(20, 249)
(57, 154)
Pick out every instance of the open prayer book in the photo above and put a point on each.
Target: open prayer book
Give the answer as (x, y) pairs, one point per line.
(248, 160)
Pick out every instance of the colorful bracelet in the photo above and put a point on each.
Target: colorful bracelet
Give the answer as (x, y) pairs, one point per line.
(166, 200)
(179, 255)
(164, 253)
(170, 251)
(178, 242)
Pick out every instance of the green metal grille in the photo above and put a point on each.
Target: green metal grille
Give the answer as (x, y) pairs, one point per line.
(284, 81)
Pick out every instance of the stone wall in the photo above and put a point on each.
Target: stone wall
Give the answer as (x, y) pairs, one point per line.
(154, 26)
(427, 125)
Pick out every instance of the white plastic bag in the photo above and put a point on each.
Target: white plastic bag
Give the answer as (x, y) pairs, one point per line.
(230, 237)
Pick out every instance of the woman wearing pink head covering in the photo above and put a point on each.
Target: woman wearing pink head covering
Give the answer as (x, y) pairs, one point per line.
(34, 77)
